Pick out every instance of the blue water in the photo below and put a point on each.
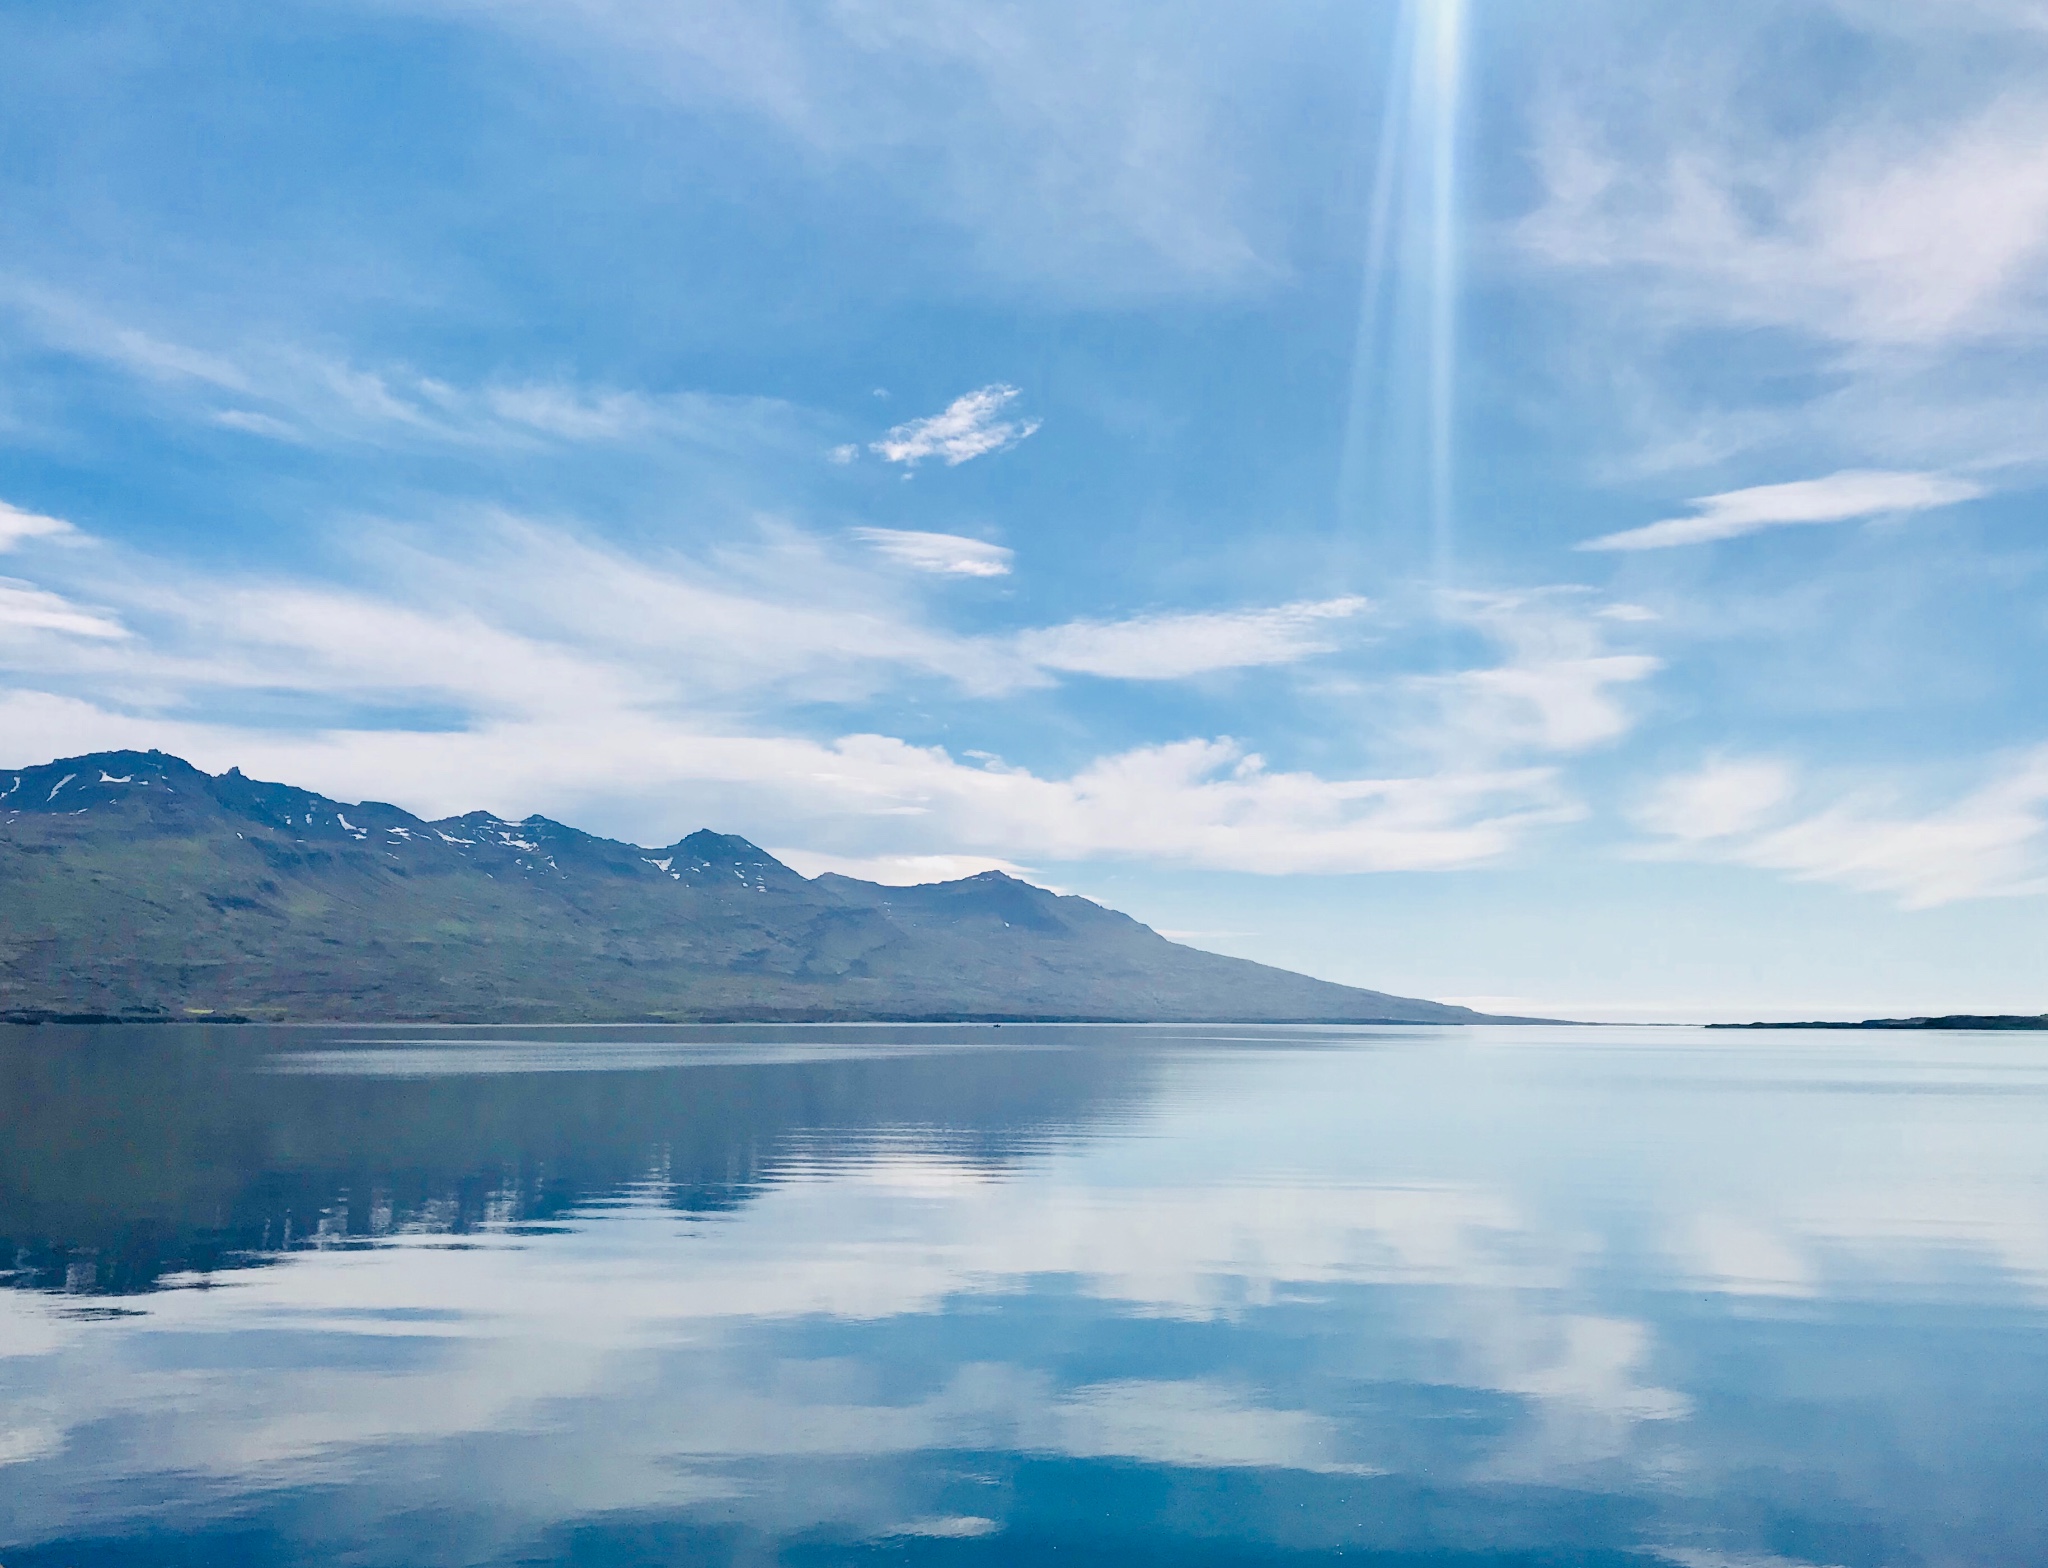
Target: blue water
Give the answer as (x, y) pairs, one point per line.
(1023, 1295)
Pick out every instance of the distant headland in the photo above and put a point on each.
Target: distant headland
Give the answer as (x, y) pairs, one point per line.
(1945, 1021)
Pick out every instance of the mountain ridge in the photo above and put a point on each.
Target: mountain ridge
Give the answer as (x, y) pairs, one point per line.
(136, 886)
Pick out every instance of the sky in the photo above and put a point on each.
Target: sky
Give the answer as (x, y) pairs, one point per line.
(1532, 506)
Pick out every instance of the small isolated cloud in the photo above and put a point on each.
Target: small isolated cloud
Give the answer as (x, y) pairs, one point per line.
(1550, 705)
(1991, 843)
(1171, 647)
(944, 555)
(1853, 493)
(969, 428)
(843, 454)
(17, 525)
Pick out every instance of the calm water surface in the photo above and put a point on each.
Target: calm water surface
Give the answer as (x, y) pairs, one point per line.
(1022, 1295)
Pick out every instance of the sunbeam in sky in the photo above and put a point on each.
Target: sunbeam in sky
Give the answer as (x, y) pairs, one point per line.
(1439, 76)
(1398, 473)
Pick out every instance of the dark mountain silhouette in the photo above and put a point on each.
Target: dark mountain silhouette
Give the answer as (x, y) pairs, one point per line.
(1944, 1021)
(134, 886)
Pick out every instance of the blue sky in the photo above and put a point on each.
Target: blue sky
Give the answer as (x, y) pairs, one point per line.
(1534, 507)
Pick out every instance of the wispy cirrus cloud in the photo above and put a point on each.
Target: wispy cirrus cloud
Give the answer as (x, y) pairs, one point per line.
(1553, 690)
(71, 325)
(969, 427)
(645, 696)
(17, 525)
(1866, 233)
(285, 392)
(1840, 497)
(1921, 18)
(1883, 248)
(1204, 802)
(1172, 647)
(1076, 147)
(26, 608)
(1992, 842)
(498, 612)
(943, 555)
(1718, 802)
(249, 422)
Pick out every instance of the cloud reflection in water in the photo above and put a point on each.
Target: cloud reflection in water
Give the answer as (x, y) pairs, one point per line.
(1607, 1293)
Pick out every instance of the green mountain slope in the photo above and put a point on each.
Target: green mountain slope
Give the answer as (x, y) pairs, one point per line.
(134, 885)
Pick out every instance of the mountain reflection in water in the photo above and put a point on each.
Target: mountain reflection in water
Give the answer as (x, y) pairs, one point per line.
(134, 1154)
(1032, 1294)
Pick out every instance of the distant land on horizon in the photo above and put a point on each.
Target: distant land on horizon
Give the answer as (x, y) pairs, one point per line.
(135, 887)
(1944, 1021)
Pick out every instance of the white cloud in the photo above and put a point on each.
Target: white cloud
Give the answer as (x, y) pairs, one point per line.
(25, 607)
(248, 421)
(17, 525)
(572, 413)
(1991, 843)
(284, 392)
(1197, 802)
(1172, 647)
(1890, 237)
(897, 870)
(644, 697)
(552, 614)
(945, 555)
(72, 326)
(1557, 705)
(969, 428)
(1921, 18)
(1867, 233)
(1209, 803)
(1722, 799)
(1553, 691)
(1075, 147)
(1837, 498)
(502, 620)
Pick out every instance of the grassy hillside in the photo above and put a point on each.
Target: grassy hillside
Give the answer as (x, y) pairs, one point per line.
(133, 885)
